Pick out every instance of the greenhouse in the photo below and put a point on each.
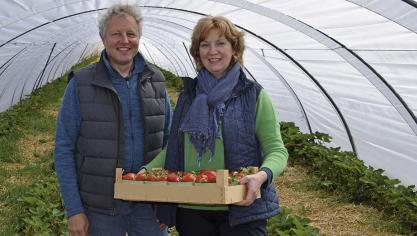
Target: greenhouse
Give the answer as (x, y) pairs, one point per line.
(347, 68)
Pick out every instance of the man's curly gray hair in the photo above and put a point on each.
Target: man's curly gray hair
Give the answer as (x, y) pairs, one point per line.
(119, 10)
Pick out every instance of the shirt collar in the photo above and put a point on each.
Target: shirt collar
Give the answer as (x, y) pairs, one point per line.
(138, 66)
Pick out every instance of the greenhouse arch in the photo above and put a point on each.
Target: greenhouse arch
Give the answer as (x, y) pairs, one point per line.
(343, 67)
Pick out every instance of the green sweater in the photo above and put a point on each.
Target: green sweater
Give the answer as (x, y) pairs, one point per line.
(268, 134)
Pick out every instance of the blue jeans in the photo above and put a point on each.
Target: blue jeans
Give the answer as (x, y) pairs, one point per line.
(135, 218)
(215, 223)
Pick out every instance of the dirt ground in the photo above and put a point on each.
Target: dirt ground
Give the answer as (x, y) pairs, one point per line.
(327, 212)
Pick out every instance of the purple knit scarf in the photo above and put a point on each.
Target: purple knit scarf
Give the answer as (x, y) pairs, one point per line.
(207, 109)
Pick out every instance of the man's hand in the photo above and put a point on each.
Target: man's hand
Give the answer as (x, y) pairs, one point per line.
(78, 225)
(253, 185)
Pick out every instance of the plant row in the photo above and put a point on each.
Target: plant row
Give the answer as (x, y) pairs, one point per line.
(343, 172)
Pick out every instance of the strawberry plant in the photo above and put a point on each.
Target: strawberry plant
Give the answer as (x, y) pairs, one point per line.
(285, 224)
(42, 209)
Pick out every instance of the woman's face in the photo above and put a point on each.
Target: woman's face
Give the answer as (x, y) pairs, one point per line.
(215, 53)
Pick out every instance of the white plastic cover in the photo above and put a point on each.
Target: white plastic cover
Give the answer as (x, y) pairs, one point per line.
(343, 67)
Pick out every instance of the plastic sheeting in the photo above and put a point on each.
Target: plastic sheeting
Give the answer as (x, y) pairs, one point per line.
(343, 67)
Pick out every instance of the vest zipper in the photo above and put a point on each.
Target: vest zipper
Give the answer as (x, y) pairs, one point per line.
(132, 138)
(145, 77)
(233, 96)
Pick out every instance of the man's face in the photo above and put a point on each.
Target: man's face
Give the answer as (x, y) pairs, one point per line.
(121, 40)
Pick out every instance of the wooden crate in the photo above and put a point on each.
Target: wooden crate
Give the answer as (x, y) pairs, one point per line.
(204, 193)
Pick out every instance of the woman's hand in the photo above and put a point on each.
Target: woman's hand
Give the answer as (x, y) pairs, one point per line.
(253, 185)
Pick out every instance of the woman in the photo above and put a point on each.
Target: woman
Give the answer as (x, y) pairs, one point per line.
(222, 120)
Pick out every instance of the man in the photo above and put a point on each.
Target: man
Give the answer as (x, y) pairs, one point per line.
(115, 113)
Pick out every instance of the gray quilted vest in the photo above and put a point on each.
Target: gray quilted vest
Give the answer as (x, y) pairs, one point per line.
(100, 142)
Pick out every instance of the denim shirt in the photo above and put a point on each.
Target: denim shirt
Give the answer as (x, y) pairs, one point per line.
(132, 120)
